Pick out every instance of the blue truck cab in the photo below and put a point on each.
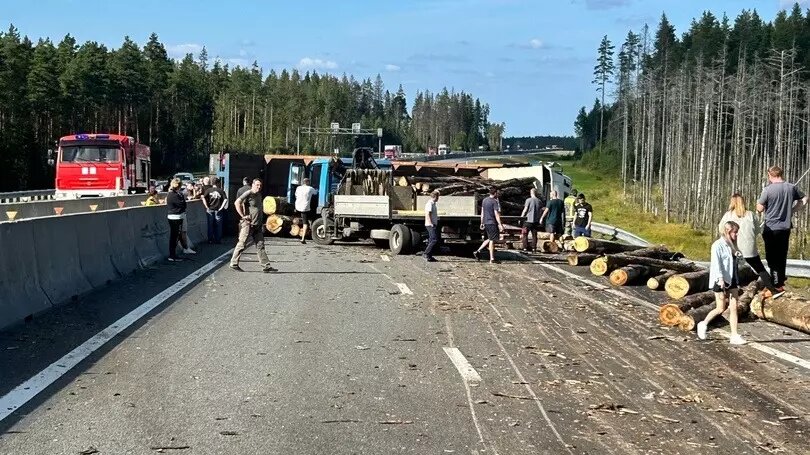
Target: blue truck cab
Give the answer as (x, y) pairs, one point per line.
(324, 175)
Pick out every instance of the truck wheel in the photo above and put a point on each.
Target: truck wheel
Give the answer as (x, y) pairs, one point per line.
(380, 243)
(416, 240)
(320, 233)
(400, 242)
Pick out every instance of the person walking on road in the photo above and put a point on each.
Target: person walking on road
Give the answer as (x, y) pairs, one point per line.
(532, 209)
(553, 215)
(777, 203)
(490, 224)
(215, 201)
(250, 226)
(724, 281)
(747, 240)
(176, 206)
(583, 217)
(431, 225)
(303, 204)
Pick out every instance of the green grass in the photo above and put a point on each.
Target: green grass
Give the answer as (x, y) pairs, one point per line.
(610, 207)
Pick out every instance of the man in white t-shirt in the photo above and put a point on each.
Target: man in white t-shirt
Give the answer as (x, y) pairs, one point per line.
(431, 224)
(303, 196)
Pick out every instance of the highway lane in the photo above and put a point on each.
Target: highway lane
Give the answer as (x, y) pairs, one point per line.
(344, 351)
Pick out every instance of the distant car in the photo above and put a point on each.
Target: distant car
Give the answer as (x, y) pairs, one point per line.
(184, 177)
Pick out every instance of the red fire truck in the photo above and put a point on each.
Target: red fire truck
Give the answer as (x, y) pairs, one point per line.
(99, 165)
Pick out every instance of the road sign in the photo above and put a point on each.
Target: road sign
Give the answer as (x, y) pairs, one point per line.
(355, 127)
(379, 132)
(335, 126)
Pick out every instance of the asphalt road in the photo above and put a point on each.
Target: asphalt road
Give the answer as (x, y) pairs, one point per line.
(343, 351)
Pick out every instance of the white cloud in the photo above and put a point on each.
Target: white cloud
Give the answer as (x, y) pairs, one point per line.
(179, 51)
(316, 63)
(536, 43)
(391, 67)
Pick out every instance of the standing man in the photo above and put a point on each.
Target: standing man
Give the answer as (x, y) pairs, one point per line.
(553, 216)
(569, 202)
(215, 201)
(777, 203)
(531, 211)
(490, 224)
(583, 217)
(431, 224)
(206, 183)
(303, 202)
(250, 226)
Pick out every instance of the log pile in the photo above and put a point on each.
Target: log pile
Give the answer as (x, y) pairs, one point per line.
(513, 192)
(276, 205)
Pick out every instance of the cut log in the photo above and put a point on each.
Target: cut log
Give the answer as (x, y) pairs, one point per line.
(672, 313)
(600, 266)
(590, 245)
(269, 205)
(655, 252)
(276, 205)
(686, 313)
(581, 258)
(568, 245)
(629, 274)
(403, 181)
(277, 224)
(547, 246)
(789, 310)
(681, 285)
(614, 261)
(295, 230)
(657, 282)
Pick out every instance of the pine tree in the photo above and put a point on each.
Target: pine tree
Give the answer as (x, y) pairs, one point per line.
(602, 73)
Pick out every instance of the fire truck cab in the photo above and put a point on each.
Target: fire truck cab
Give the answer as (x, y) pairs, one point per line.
(101, 165)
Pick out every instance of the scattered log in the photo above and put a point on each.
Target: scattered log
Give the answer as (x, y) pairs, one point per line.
(276, 205)
(686, 313)
(657, 282)
(681, 285)
(600, 266)
(295, 230)
(655, 252)
(672, 313)
(581, 258)
(629, 274)
(684, 284)
(590, 245)
(789, 310)
(277, 224)
(547, 246)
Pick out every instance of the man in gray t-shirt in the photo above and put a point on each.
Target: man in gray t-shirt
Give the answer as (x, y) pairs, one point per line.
(532, 210)
(249, 208)
(778, 202)
(490, 224)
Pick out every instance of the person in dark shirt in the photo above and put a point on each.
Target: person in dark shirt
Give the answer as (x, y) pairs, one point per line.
(245, 187)
(531, 211)
(490, 224)
(249, 208)
(215, 201)
(583, 216)
(176, 207)
(553, 215)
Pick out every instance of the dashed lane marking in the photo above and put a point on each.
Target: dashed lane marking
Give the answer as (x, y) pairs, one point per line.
(26, 391)
(403, 288)
(462, 365)
(790, 358)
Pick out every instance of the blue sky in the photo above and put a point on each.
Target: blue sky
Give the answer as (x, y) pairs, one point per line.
(531, 60)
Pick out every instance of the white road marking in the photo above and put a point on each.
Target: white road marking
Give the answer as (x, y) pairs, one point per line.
(403, 288)
(462, 365)
(790, 358)
(385, 258)
(39, 382)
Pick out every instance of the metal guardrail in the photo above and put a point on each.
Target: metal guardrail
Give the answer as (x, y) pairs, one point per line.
(796, 268)
(26, 196)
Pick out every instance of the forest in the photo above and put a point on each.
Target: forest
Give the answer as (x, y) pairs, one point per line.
(186, 109)
(686, 120)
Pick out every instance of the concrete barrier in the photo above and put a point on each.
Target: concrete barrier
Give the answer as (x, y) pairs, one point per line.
(56, 254)
(20, 292)
(36, 209)
(48, 260)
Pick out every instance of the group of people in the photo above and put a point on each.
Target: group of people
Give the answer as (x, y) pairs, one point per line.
(739, 229)
(213, 198)
(537, 215)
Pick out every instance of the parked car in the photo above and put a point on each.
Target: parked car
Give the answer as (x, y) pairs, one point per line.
(184, 177)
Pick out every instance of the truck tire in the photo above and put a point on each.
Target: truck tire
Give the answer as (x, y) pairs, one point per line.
(400, 242)
(416, 240)
(320, 233)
